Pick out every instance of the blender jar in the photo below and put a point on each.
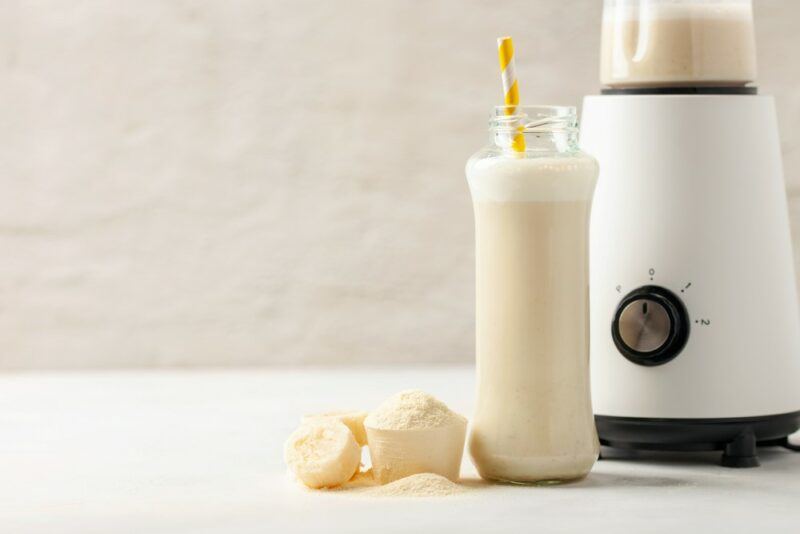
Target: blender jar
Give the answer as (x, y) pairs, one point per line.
(677, 43)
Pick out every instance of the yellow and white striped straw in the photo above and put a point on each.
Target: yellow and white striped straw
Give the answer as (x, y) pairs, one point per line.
(505, 52)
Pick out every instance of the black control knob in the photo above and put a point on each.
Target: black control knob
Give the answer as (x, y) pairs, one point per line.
(651, 326)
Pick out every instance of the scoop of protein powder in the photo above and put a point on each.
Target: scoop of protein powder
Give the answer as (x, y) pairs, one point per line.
(412, 433)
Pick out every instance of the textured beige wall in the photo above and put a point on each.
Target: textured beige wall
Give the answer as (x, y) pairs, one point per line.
(269, 181)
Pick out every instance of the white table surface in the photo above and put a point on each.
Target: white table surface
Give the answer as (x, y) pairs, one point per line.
(201, 451)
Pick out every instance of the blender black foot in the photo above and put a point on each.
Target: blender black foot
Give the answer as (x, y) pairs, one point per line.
(742, 451)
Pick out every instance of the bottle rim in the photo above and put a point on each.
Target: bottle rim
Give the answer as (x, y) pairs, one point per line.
(534, 119)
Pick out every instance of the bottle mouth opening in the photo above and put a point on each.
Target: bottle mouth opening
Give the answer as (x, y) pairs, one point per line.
(534, 119)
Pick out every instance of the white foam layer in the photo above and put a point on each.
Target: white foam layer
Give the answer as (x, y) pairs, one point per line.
(510, 179)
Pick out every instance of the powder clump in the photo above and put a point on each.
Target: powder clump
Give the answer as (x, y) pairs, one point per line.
(412, 409)
(419, 485)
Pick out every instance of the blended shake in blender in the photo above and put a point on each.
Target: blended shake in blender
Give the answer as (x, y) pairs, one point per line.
(662, 43)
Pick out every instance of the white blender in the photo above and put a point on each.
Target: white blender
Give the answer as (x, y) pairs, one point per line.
(695, 331)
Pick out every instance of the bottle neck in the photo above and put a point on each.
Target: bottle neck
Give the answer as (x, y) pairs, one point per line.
(544, 129)
(538, 141)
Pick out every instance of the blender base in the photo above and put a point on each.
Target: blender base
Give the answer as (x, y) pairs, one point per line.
(738, 438)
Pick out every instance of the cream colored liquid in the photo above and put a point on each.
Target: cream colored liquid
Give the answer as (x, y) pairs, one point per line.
(674, 45)
(533, 420)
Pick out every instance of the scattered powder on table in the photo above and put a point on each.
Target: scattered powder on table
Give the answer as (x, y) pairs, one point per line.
(420, 485)
(412, 409)
(361, 480)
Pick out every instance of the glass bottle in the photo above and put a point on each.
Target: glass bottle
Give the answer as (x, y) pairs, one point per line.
(533, 421)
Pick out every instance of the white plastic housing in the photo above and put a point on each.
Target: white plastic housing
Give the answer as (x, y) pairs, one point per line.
(691, 191)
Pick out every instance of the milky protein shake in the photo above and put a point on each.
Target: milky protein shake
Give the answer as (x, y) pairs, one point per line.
(663, 43)
(533, 421)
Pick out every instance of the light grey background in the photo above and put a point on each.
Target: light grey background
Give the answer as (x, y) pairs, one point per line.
(271, 182)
